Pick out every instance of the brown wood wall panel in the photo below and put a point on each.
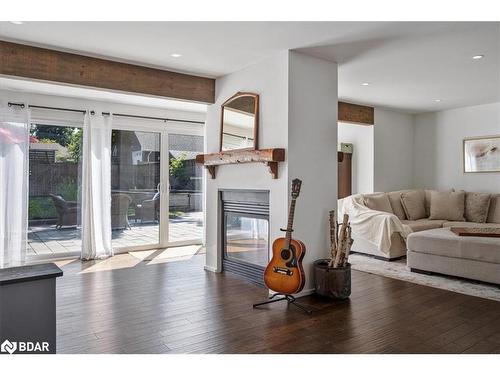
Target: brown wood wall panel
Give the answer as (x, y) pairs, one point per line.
(344, 183)
(50, 65)
(359, 114)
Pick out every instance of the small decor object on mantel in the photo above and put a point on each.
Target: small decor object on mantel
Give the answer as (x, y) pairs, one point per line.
(332, 277)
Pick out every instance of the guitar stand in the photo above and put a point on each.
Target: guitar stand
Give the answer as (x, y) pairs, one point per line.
(289, 298)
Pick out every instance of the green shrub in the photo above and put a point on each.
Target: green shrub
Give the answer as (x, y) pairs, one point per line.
(68, 189)
(41, 208)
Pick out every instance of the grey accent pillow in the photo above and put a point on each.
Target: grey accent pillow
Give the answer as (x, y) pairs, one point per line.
(378, 202)
(428, 193)
(476, 207)
(414, 204)
(494, 211)
(448, 205)
(397, 207)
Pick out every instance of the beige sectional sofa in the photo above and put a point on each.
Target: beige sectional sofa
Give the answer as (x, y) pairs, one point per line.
(409, 211)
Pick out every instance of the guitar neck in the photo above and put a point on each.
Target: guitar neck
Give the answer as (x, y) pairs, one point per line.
(289, 227)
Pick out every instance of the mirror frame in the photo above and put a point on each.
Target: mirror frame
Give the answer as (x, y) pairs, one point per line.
(256, 120)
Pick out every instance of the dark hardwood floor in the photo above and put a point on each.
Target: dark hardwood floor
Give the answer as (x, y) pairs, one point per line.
(177, 307)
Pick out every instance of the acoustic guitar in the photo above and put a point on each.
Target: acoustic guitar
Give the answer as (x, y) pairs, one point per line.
(284, 273)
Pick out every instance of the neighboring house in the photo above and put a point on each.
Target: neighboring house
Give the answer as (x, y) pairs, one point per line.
(186, 147)
(46, 152)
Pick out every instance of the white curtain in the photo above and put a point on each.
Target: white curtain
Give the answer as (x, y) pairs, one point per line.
(96, 187)
(14, 149)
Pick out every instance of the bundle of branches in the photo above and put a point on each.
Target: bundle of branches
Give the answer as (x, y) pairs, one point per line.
(340, 241)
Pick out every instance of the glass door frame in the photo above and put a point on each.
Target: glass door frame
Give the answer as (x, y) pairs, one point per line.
(164, 128)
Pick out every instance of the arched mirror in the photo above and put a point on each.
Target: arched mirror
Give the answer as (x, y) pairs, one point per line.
(240, 122)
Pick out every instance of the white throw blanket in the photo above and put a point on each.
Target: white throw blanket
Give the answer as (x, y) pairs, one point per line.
(373, 226)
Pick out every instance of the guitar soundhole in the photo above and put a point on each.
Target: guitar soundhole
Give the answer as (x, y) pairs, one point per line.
(285, 254)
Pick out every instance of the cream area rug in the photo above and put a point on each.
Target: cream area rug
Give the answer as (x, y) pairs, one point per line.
(399, 270)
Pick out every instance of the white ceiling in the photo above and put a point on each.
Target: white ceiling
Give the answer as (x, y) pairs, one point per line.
(408, 64)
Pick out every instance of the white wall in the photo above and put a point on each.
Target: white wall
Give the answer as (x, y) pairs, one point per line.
(298, 111)
(312, 157)
(393, 137)
(361, 136)
(438, 146)
(269, 79)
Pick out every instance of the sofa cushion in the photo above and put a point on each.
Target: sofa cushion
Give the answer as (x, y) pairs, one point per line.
(447, 205)
(378, 202)
(476, 207)
(397, 207)
(428, 193)
(467, 224)
(413, 204)
(423, 224)
(494, 211)
(443, 242)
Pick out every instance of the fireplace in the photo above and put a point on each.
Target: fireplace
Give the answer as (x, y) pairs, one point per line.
(245, 232)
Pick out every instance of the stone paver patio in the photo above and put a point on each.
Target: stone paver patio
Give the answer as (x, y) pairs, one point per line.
(46, 239)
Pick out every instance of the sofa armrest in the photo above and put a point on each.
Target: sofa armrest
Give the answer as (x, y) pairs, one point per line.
(376, 227)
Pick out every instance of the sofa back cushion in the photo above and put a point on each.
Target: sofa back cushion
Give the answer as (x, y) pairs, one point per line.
(477, 206)
(397, 206)
(447, 205)
(413, 203)
(378, 202)
(428, 193)
(494, 211)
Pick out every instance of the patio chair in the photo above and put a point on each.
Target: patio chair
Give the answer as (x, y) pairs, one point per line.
(67, 211)
(119, 211)
(149, 209)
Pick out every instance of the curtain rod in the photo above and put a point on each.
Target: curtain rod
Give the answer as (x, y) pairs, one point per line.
(105, 113)
(153, 118)
(10, 104)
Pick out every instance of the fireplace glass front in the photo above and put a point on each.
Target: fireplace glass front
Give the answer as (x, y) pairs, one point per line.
(245, 233)
(247, 239)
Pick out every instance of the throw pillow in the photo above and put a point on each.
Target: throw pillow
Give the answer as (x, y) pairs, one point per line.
(447, 205)
(428, 200)
(378, 202)
(397, 207)
(494, 214)
(476, 207)
(413, 204)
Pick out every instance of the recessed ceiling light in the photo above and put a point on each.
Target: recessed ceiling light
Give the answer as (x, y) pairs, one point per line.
(176, 55)
(477, 57)
(437, 100)
(16, 22)
(365, 84)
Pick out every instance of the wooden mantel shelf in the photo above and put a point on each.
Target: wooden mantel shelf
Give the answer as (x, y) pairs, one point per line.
(271, 157)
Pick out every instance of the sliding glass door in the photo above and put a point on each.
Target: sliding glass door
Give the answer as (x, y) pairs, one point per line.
(185, 188)
(156, 186)
(135, 188)
(54, 198)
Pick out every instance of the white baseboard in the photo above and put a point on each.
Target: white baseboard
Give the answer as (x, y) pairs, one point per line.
(211, 269)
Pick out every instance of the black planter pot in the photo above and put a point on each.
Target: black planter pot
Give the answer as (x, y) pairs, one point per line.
(332, 282)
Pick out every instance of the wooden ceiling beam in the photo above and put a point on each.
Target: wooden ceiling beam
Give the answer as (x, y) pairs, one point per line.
(355, 113)
(49, 65)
